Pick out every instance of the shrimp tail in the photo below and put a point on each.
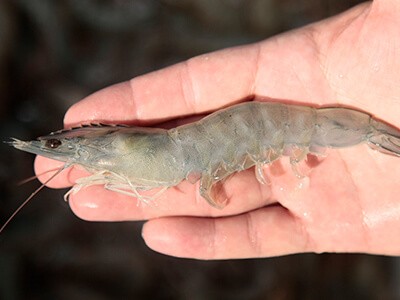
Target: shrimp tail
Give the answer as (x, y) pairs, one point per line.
(384, 138)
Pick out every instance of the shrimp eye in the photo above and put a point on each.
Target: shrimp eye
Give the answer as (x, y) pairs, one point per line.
(53, 143)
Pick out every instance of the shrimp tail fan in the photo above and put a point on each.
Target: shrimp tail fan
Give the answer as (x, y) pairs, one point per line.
(384, 138)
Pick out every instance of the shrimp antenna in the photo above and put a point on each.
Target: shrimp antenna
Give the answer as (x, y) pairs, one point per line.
(31, 196)
(26, 180)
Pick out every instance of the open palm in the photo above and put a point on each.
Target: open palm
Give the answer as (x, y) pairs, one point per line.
(348, 202)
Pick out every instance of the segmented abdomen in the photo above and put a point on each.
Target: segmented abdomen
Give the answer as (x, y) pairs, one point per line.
(249, 129)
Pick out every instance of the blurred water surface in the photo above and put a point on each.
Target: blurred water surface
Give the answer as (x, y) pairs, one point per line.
(52, 54)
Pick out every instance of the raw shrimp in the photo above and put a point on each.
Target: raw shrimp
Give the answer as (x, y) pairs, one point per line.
(129, 160)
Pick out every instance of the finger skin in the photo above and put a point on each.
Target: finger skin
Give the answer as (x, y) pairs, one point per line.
(198, 85)
(268, 231)
(65, 179)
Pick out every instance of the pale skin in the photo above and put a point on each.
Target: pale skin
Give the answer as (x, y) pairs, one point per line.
(350, 201)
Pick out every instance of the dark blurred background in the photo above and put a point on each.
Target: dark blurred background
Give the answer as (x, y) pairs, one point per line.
(52, 54)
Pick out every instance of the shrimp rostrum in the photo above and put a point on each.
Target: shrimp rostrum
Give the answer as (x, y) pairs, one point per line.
(130, 160)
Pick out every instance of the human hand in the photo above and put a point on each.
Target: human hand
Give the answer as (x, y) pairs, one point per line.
(351, 202)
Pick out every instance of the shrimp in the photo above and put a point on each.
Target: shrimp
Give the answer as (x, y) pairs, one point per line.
(129, 160)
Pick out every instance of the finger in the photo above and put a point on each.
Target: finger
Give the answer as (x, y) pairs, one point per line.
(269, 231)
(243, 191)
(200, 84)
(65, 179)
